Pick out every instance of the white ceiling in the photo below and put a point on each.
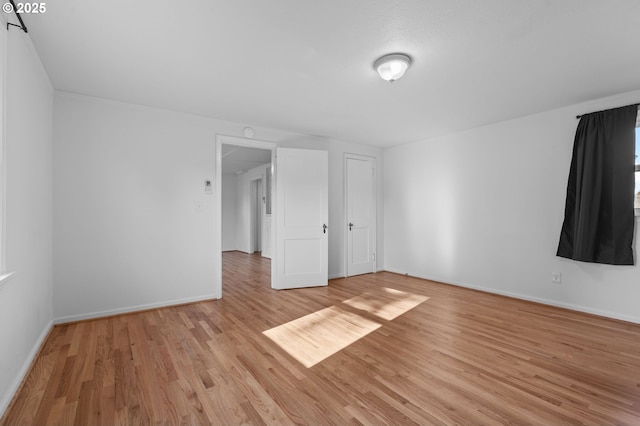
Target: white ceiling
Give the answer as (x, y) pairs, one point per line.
(238, 159)
(306, 65)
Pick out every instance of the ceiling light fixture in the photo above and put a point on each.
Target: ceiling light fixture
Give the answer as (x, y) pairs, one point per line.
(392, 66)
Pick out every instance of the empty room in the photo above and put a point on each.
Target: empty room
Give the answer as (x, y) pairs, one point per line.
(319, 212)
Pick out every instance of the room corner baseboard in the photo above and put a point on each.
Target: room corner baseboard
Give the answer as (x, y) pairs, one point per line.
(131, 309)
(550, 302)
(26, 367)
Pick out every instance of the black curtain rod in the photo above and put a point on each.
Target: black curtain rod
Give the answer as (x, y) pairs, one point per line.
(22, 25)
(580, 116)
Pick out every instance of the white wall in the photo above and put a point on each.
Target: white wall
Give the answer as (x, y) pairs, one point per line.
(132, 223)
(25, 299)
(484, 208)
(128, 181)
(229, 211)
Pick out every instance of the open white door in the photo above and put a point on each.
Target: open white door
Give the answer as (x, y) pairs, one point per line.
(301, 222)
(361, 215)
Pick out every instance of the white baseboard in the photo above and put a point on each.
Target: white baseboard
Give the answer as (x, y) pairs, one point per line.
(6, 399)
(550, 302)
(130, 309)
(344, 274)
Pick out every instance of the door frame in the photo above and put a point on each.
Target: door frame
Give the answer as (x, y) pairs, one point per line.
(256, 210)
(345, 221)
(217, 219)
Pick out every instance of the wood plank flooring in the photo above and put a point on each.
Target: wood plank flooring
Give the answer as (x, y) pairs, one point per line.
(415, 352)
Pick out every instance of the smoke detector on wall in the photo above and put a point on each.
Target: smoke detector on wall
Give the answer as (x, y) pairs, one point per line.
(249, 132)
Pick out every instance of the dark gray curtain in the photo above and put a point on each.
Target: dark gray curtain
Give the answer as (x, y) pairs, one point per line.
(599, 215)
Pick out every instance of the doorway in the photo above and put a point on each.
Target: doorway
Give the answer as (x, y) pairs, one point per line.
(299, 242)
(235, 156)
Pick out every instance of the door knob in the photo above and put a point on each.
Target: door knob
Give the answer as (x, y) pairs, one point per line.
(324, 228)
(350, 225)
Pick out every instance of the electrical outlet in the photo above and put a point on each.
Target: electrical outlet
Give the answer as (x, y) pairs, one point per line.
(556, 277)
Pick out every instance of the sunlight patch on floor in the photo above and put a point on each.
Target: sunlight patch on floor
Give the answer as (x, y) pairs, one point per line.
(317, 336)
(386, 303)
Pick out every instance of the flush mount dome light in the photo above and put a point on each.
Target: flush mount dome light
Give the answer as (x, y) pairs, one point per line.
(393, 66)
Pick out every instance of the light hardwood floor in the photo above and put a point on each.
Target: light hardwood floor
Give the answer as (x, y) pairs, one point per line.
(373, 349)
